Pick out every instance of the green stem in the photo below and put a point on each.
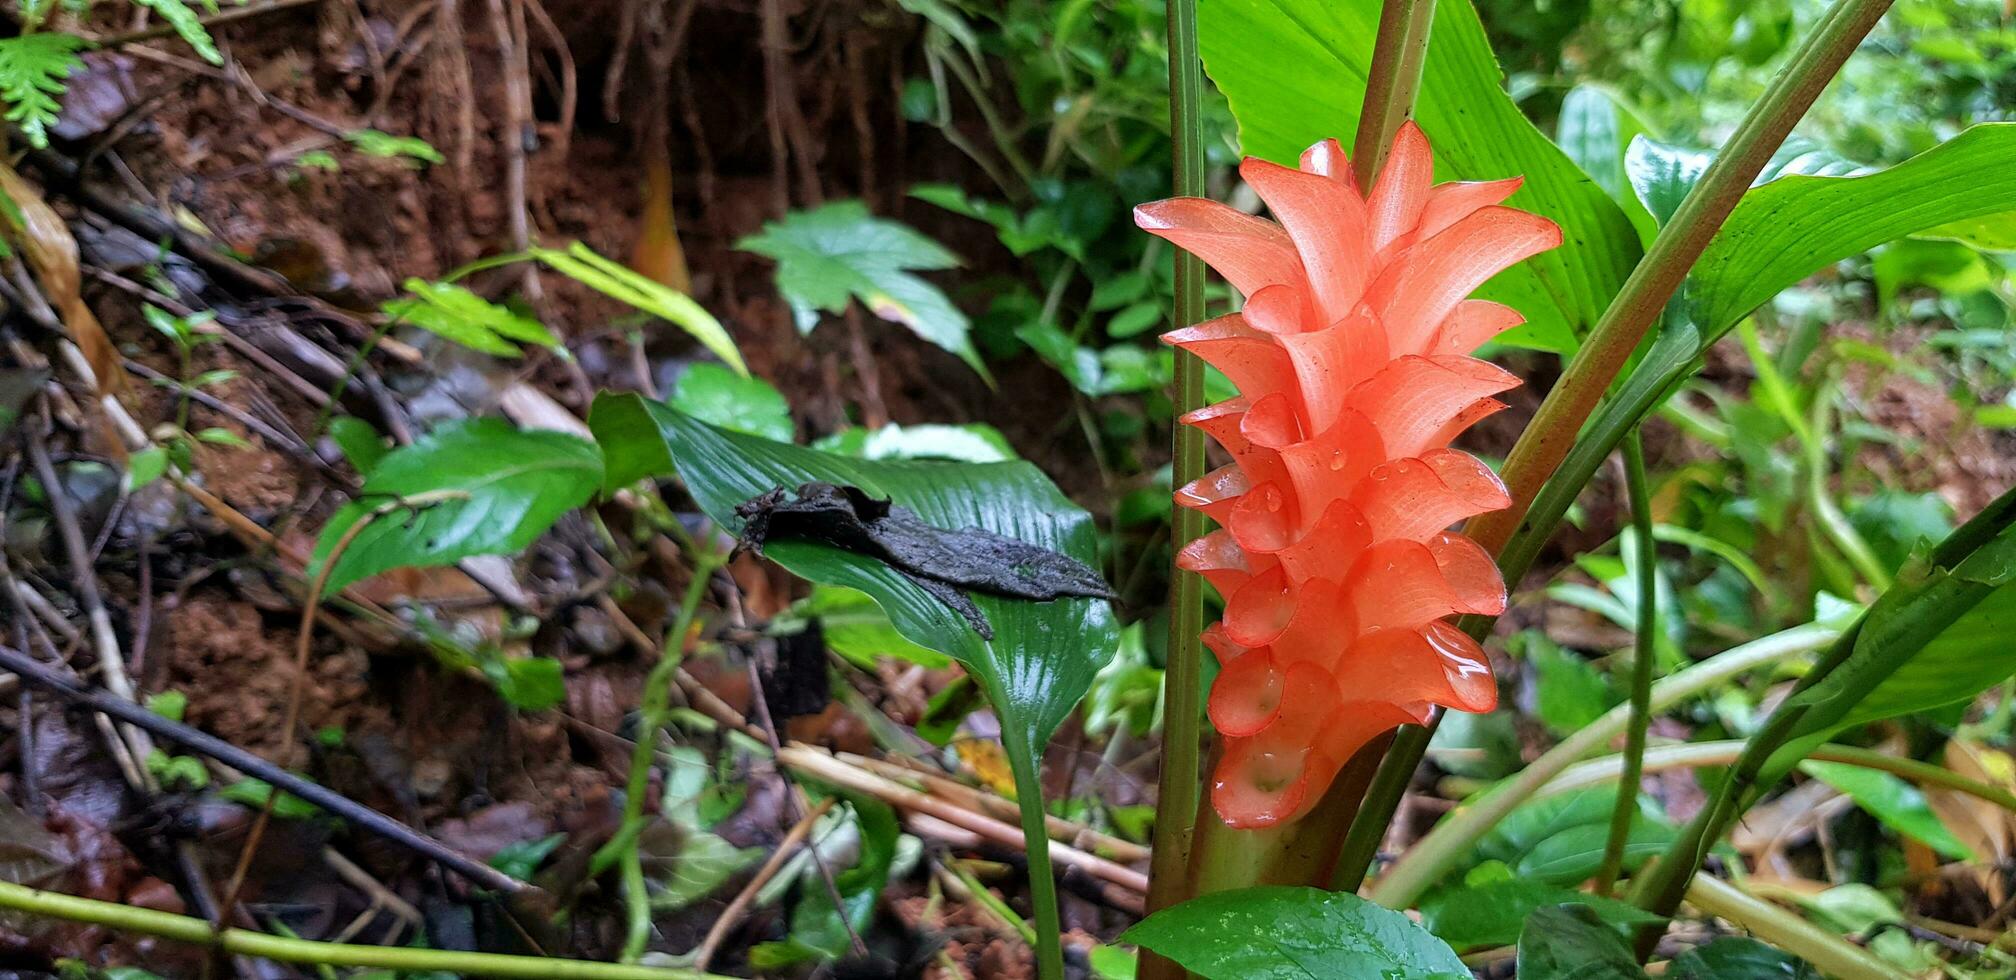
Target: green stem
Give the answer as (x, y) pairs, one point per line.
(1911, 615)
(1546, 441)
(1514, 534)
(1434, 855)
(1183, 680)
(1391, 82)
(652, 715)
(1642, 656)
(1689, 755)
(1036, 835)
(280, 949)
(1832, 955)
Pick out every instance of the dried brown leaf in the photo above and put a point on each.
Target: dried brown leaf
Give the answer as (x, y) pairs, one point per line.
(44, 240)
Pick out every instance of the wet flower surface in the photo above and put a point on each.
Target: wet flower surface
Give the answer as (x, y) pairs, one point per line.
(1334, 550)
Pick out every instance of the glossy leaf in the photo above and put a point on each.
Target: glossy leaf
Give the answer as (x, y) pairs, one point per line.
(1936, 637)
(738, 403)
(1784, 230)
(1739, 956)
(1044, 654)
(1294, 72)
(479, 487)
(838, 253)
(1492, 914)
(1596, 130)
(1571, 942)
(1898, 804)
(1280, 933)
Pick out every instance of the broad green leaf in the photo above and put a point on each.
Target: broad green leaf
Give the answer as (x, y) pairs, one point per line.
(1661, 174)
(1281, 933)
(1043, 655)
(1595, 129)
(454, 313)
(838, 253)
(1784, 230)
(1572, 942)
(1294, 72)
(1739, 956)
(973, 442)
(1572, 692)
(1936, 637)
(617, 281)
(739, 403)
(1491, 914)
(1963, 660)
(475, 487)
(32, 72)
(1897, 803)
(1558, 840)
(1990, 233)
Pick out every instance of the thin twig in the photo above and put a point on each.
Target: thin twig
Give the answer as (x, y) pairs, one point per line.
(201, 743)
(209, 23)
(732, 915)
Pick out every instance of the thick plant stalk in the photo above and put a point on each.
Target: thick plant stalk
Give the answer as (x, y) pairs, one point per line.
(1435, 854)
(1556, 426)
(1394, 79)
(1183, 679)
(1679, 245)
(1642, 655)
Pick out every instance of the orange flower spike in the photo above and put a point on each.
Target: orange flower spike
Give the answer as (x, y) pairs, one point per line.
(1352, 360)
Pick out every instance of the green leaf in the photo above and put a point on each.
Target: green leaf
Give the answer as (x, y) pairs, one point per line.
(144, 467)
(1044, 654)
(738, 403)
(1739, 957)
(1491, 914)
(838, 252)
(1595, 129)
(1784, 230)
(527, 683)
(1990, 233)
(188, 25)
(254, 793)
(1572, 692)
(473, 487)
(581, 264)
(168, 704)
(520, 860)
(1294, 72)
(32, 72)
(361, 444)
(1571, 942)
(817, 932)
(857, 629)
(1281, 933)
(1661, 174)
(1558, 840)
(973, 442)
(456, 314)
(1898, 804)
(372, 142)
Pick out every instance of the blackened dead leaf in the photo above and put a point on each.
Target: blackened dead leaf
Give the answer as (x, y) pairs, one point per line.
(945, 563)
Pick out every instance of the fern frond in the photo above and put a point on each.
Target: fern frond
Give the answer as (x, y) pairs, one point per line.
(32, 72)
(188, 25)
